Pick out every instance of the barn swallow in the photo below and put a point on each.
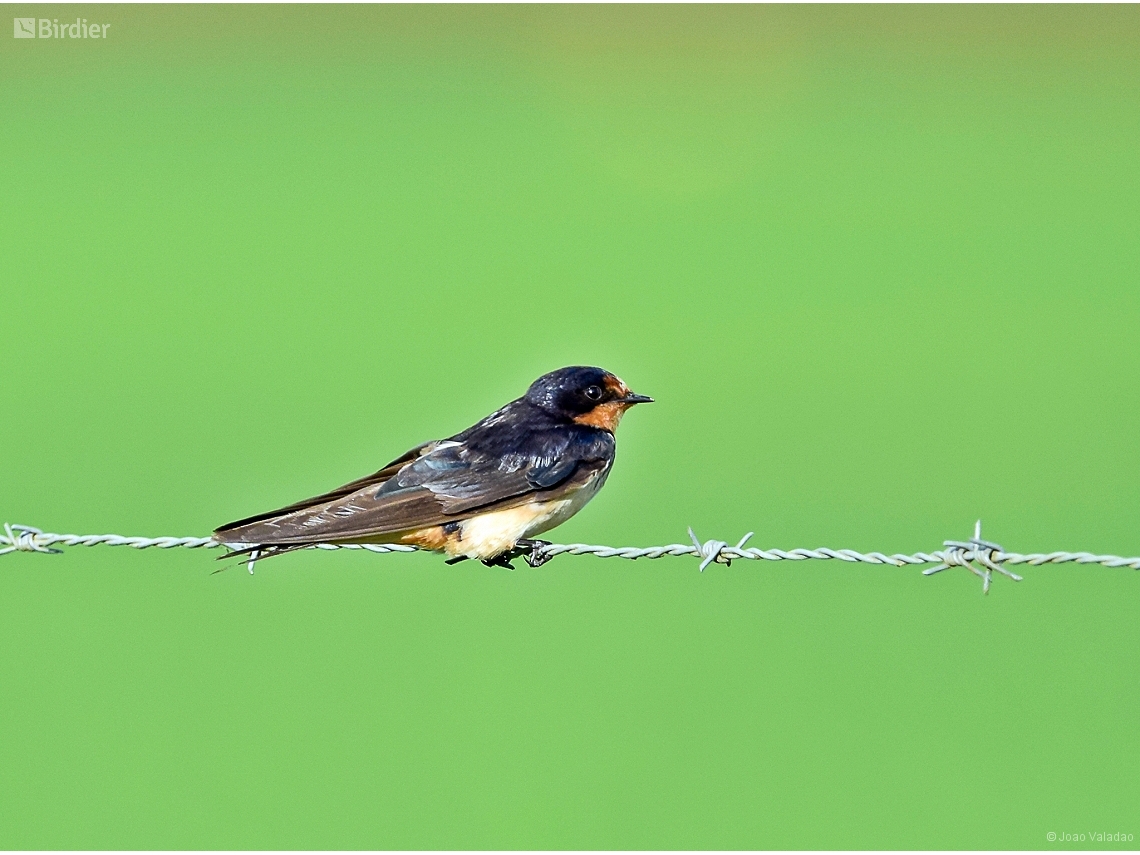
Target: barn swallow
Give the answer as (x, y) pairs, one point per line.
(482, 493)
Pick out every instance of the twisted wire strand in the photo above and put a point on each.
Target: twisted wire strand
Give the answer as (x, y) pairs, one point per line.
(980, 557)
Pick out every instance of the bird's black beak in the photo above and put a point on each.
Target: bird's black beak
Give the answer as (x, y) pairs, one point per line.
(635, 399)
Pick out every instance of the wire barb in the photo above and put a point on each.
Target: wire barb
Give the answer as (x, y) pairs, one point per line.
(962, 553)
(715, 550)
(22, 538)
(983, 558)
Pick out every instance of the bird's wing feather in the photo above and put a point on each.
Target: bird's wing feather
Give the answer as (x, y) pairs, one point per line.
(450, 481)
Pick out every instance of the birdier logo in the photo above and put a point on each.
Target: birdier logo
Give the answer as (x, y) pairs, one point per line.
(51, 28)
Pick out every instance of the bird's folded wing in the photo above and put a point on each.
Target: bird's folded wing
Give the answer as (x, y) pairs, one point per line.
(443, 484)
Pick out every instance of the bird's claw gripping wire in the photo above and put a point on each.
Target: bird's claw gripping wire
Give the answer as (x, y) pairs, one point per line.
(22, 538)
(963, 553)
(714, 550)
(534, 551)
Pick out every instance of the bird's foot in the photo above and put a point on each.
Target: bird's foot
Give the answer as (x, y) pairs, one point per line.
(456, 559)
(503, 560)
(532, 551)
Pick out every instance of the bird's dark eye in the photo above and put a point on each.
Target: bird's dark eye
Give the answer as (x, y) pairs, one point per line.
(594, 393)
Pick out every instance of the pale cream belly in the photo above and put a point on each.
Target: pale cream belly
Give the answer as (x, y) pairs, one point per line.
(491, 534)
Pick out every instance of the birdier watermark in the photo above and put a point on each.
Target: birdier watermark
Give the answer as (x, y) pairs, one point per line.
(52, 28)
(1089, 837)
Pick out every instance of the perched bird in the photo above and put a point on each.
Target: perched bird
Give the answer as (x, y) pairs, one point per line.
(483, 493)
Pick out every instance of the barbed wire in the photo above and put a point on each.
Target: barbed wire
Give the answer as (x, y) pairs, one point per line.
(981, 557)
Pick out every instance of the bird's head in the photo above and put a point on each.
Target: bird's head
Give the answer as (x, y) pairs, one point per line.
(585, 395)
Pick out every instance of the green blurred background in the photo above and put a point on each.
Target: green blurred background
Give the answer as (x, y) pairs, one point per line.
(877, 264)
